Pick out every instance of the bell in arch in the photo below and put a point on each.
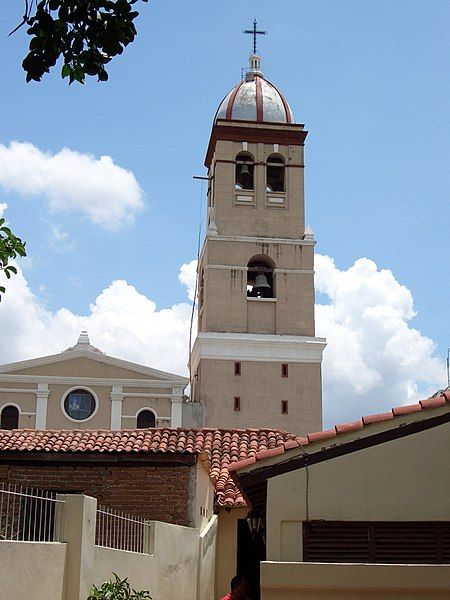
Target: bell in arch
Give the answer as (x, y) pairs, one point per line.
(261, 287)
(244, 170)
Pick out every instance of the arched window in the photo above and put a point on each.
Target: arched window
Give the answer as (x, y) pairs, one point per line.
(244, 171)
(146, 419)
(275, 174)
(260, 277)
(10, 417)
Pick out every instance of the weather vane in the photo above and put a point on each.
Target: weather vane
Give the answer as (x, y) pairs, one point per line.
(254, 32)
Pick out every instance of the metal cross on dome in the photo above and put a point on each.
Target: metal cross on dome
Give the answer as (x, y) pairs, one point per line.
(254, 32)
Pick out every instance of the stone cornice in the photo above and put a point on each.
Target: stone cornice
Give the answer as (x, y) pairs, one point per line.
(96, 381)
(254, 347)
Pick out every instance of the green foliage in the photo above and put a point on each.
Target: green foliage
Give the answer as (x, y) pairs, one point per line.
(119, 589)
(10, 247)
(85, 33)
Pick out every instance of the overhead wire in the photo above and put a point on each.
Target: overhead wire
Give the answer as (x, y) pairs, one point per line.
(200, 225)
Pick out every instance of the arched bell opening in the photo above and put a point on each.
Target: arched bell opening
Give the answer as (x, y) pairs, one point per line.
(244, 172)
(260, 277)
(9, 418)
(275, 174)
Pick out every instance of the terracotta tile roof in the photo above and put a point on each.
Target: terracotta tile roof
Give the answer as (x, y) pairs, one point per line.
(228, 450)
(343, 428)
(223, 447)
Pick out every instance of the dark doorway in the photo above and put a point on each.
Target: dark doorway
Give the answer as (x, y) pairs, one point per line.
(251, 550)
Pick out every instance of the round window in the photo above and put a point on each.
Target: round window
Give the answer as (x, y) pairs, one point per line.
(79, 405)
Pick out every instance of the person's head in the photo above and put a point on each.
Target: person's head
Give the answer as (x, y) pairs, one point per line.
(239, 586)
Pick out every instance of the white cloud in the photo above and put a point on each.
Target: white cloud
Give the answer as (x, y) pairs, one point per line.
(121, 322)
(59, 239)
(187, 276)
(72, 182)
(374, 359)
(3, 207)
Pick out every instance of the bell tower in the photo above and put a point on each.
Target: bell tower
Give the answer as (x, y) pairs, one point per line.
(256, 361)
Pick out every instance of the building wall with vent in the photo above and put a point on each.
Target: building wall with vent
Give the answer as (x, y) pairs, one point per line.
(402, 481)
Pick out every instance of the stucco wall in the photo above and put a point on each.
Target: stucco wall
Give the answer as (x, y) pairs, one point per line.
(39, 388)
(170, 573)
(226, 556)
(261, 389)
(303, 581)
(32, 570)
(203, 496)
(181, 563)
(258, 219)
(207, 560)
(401, 480)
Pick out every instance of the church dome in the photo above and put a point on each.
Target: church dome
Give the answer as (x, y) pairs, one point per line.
(255, 99)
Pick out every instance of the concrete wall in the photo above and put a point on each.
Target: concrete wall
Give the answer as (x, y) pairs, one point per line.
(226, 555)
(407, 479)
(303, 581)
(258, 217)
(38, 391)
(180, 563)
(261, 389)
(225, 305)
(32, 570)
(170, 573)
(203, 495)
(207, 560)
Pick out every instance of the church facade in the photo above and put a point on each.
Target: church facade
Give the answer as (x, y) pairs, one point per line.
(84, 388)
(256, 361)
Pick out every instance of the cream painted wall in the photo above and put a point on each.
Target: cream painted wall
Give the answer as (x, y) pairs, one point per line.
(261, 389)
(56, 418)
(32, 570)
(246, 229)
(404, 479)
(81, 367)
(309, 581)
(258, 220)
(207, 560)
(87, 373)
(226, 556)
(130, 406)
(203, 504)
(170, 573)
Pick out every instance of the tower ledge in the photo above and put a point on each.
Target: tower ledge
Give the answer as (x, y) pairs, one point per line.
(257, 347)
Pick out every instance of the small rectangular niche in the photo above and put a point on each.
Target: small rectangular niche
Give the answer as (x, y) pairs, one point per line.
(276, 200)
(284, 370)
(237, 403)
(284, 407)
(237, 368)
(242, 199)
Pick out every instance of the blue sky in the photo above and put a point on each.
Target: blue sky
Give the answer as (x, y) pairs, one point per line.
(369, 80)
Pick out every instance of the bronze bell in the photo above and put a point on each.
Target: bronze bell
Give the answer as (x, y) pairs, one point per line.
(261, 287)
(244, 170)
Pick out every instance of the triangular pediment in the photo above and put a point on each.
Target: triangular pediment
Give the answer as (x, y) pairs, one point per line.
(88, 363)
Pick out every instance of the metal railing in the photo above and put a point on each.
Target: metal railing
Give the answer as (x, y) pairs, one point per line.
(123, 531)
(29, 514)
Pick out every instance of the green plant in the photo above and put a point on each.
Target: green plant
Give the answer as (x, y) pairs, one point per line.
(119, 589)
(86, 34)
(10, 247)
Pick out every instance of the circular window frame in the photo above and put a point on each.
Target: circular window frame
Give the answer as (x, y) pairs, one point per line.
(72, 389)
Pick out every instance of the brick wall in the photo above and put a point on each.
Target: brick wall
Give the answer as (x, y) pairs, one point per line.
(159, 493)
